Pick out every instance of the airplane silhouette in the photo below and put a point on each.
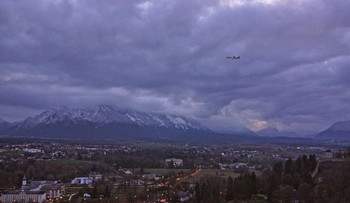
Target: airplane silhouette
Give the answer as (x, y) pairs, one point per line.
(233, 57)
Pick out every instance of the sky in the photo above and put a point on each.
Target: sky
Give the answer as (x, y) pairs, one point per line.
(170, 57)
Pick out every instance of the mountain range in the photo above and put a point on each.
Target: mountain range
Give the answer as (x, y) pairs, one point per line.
(104, 122)
(109, 123)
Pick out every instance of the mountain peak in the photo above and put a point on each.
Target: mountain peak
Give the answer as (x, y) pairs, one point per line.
(341, 125)
(338, 130)
(105, 108)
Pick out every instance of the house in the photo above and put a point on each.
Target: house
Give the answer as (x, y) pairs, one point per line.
(173, 162)
(328, 154)
(151, 177)
(239, 165)
(125, 171)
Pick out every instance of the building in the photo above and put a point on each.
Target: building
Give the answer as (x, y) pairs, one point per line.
(23, 196)
(82, 180)
(173, 163)
(328, 154)
(125, 171)
(32, 150)
(34, 191)
(95, 177)
(53, 191)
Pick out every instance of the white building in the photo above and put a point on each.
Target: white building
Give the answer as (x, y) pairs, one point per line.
(32, 150)
(23, 196)
(95, 177)
(53, 189)
(82, 180)
(173, 162)
(125, 171)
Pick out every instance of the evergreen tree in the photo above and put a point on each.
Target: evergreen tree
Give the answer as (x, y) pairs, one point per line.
(94, 192)
(288, 166)
(198, 193)
(230, 189)
(313, 162)
(107, 192)
(278, 167)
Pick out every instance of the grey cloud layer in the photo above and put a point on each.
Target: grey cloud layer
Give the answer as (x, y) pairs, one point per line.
(169, 56)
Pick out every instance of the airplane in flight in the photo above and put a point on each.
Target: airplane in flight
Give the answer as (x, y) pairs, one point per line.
(233, 57)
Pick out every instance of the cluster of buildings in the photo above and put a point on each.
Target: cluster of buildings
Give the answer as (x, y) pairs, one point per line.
(34, 191)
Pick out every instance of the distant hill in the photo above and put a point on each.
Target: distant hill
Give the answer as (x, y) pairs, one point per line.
(339, 130)
(274, 132)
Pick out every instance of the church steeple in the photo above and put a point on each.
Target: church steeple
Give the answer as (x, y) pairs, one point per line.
(24, 181)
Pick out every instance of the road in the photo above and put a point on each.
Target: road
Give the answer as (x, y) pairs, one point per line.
(190, 175)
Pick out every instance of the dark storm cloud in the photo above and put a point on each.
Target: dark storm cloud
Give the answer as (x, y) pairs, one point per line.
(170, 57)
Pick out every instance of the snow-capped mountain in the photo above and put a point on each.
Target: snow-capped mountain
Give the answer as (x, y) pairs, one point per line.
(163, 120)
(107, 114)
(339, 130)
(104, 114)
(105, 122)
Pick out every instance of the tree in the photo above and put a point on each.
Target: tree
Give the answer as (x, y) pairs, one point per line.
(304, 192)
(107, 192)
(284, 194)
(288, 166)
(230, 189)
(94, 192)
(278, 167)
(313, 162)
(198, 193)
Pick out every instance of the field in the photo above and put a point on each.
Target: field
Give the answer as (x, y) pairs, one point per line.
(164, 170)
(211, 172)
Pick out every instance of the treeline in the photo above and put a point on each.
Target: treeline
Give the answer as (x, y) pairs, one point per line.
(146, 158)
(284, 181)
(11, 174)
(287, 181)
(343, 153)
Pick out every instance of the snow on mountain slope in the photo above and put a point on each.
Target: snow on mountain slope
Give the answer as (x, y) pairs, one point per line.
(163, 120)
(107, 114)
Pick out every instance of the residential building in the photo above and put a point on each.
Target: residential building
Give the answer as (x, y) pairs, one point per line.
(174, 163)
